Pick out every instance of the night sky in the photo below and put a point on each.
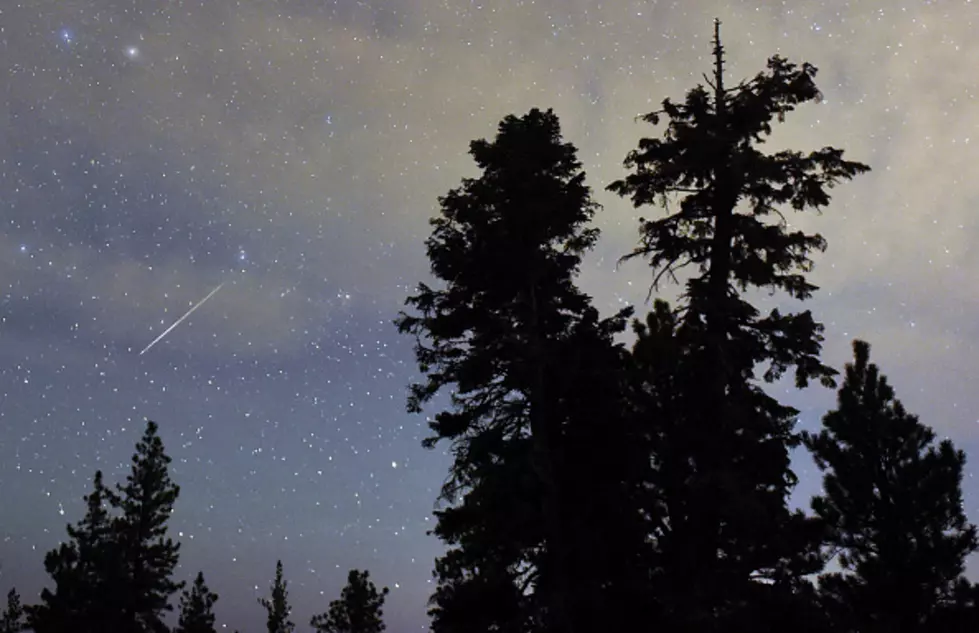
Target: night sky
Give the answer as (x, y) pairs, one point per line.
(293, 151)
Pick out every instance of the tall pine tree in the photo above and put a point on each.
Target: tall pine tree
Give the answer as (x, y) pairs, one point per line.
(525, 355)
(87, 573)
(197, 608)
(149, 555)
(892, 506)
(360, 608)
(723, 459)
(277, 605)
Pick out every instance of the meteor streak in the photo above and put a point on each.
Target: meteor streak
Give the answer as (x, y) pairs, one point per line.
(180, 320)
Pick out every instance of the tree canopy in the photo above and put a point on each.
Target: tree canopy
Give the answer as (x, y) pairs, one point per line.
(197, 608)
(892, 508)
(277, 606)
(360, 608)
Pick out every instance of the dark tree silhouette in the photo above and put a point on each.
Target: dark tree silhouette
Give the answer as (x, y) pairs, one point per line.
(197, 608)
(14, 619)
(277, 605)
(525, 354)
(892, 506)
(149, 556)
(87, 574)
(723, 462)
(359, 609)
(115, 572)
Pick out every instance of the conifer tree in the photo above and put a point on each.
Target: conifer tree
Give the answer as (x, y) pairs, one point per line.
(87, 574)
(525, 355)
(725, 477)
(149, 555)
(892, 506)
(359, 609)
(277, 605)
(197, 608)
(14, 619)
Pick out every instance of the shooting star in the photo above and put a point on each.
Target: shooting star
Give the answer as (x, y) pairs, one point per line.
(180, 320)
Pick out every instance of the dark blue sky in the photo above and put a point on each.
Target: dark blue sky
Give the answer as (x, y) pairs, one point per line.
(294, 150)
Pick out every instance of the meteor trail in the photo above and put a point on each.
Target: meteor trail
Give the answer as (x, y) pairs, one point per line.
(178, 321)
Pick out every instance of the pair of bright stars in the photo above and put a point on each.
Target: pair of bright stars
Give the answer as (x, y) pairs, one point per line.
(132, 52)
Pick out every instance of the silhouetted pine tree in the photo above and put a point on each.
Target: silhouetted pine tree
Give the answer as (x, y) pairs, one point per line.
(149, 555)
(197, 608)
(723, 456)
(277, 605)
(892, 506)
(360, 608)
(87, 573)
(14, 619)
(526, 356)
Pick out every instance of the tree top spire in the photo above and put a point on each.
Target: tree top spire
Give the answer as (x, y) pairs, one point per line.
(718, 61)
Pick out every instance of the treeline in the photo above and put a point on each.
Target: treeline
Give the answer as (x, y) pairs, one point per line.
(599, 487)
(114, 574)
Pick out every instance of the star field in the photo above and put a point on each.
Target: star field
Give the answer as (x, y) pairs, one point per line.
(294, 150)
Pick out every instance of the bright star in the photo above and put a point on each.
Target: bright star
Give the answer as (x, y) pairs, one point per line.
(132, 52)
